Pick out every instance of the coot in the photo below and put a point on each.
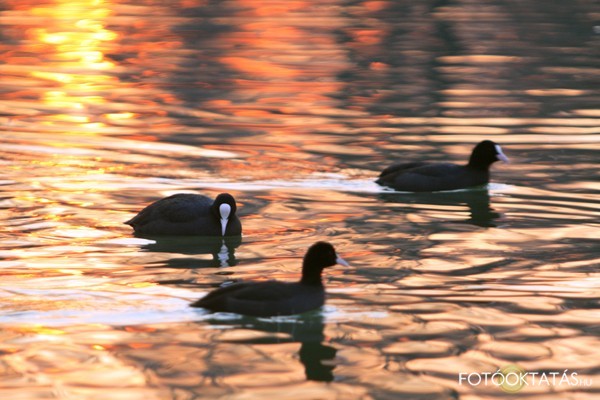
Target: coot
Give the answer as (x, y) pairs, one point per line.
(189, 214)
(429, 177)
(270, 298)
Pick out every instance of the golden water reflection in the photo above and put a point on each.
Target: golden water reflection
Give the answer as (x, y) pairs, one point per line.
(294, 107)
(75, 67)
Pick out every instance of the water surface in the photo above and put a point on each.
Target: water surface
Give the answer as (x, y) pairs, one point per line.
(294, 107)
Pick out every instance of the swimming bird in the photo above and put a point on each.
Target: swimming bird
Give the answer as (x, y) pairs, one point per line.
(433, 177)
(189, 214)
(270, 298)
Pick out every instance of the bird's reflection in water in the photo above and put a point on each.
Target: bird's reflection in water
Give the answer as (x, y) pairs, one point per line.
(222, 250)
(476, 200)
(306, 329)
(318, 361)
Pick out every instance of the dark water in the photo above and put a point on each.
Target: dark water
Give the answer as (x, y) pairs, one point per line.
(294, 107)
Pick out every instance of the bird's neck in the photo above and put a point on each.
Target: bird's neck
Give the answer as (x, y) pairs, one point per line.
(478, 165)
(311, 278)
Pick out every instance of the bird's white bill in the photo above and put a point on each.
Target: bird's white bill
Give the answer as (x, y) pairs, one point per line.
(501, 155)
(224, 211)
(341, 261)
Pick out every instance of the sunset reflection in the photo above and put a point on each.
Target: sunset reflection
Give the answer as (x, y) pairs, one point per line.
(295, 107)
(284, 65)
(74, 41)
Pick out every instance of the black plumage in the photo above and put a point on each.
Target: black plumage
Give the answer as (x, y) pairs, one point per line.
(432, 177)
(189, 214)
(270, 298)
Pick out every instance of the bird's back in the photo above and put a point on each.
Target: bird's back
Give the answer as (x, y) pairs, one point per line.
(426, 177)
(263, 299)
(179, 214)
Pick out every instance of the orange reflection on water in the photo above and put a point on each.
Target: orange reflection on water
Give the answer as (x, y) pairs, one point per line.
(72, 42)
(284, 63)
(39, 329)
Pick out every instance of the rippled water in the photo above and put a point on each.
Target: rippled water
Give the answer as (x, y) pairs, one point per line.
(294, 107)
